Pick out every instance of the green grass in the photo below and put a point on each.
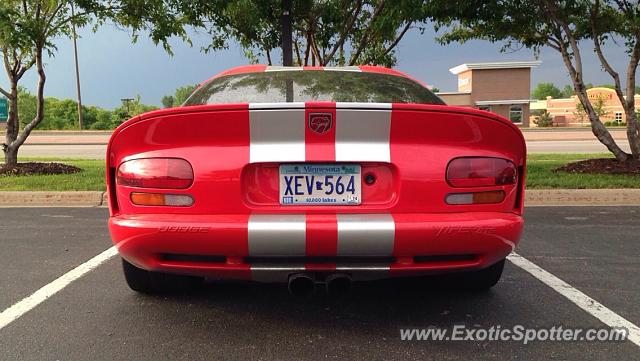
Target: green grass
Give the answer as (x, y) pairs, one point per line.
(92, 178)
(539, 176)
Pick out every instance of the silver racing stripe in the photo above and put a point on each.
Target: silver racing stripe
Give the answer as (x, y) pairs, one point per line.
(361, 105)
(363, 134)
(365, 234)
(282, 68)
(276, 135)
(277, 235)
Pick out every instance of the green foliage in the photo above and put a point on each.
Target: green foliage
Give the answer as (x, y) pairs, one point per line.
(329, 32)
(599, 107)
(91, 178)
(178, 98)
(29, 30)
(615, 124)
(567, 91)
(540, 174)
(544, 90)
(544, 120)
(183, 93)
(62, 114)
(167, 101)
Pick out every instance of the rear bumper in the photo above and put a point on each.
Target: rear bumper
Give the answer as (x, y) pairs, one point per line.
(270, 247)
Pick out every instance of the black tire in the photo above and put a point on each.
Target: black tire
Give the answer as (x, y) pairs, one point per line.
(156, 282)
(480, 280)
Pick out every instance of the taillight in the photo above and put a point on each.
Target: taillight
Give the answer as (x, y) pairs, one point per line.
(165, 173)
(490, 197)
(481, 172)
(158, 199)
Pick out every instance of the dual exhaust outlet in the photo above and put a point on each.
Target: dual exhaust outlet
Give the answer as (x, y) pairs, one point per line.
(304, 284)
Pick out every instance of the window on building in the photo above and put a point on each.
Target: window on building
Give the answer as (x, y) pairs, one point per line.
(485, 108)
(618, 117)
(515, 113)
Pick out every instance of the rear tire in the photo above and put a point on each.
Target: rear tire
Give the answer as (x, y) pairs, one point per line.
(480, 280)
(145, 281)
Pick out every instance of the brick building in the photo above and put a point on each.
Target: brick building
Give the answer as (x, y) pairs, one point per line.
(565, 111)
(500, 87)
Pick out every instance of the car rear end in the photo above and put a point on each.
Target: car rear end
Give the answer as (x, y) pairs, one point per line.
(266, 190)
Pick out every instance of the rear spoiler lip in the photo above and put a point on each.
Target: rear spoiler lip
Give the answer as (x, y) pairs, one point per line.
(300, 105)
(311, 105)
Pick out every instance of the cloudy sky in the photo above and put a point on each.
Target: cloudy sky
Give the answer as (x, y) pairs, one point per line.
(111, 67)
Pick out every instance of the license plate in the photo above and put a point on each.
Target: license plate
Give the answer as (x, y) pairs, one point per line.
(320, 184)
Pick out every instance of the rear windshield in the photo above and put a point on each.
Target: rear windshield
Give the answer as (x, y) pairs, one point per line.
(312, 86)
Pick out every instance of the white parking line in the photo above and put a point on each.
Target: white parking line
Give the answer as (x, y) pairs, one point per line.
(591, 306)
(25, 305)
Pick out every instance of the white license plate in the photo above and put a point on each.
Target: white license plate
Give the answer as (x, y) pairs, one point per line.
(320, 184)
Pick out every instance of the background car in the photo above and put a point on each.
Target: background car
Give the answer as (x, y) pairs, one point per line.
(314, 175)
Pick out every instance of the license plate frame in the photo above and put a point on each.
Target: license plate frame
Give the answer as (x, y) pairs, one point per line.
(337, 184)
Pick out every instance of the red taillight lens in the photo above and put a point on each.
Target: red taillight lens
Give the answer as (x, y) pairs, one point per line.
(481, 172)
(166, 173)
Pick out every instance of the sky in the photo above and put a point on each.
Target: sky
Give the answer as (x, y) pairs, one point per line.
(112, 67)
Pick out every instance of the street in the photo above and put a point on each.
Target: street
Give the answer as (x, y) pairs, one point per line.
(593, 249)
(93, 145)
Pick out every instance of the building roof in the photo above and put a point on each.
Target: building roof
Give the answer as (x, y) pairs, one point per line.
(495, 65)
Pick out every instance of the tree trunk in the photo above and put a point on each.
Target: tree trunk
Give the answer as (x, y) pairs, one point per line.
(598, 129)
(11, 157)
(13, 127)
(286, 33)
(633, 128)
(14, 138)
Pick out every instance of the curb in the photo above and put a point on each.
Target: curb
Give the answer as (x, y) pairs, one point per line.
(52, 199)
(534, 197)
(582, 197)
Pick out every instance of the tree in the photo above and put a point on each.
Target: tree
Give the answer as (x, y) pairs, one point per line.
(559, 26)
(130, 108)
(331, 32)
(183, 93)
(544, 119)
(180, 95)
(27, 30)
(167, 101)
(567, 91)
(599, 107)
(544, 90)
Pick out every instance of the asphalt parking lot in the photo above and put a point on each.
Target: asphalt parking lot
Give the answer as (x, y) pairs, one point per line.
(594, 249)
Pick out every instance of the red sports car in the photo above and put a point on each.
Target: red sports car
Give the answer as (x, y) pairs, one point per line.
(314, 175)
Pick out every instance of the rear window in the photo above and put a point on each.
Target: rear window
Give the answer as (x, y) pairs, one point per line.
(312, 86)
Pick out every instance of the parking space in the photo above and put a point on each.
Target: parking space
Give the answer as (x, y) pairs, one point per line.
(39, 244)
(98, 317)
(595, 249)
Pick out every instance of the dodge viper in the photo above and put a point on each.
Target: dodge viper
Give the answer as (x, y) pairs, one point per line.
(314, 176)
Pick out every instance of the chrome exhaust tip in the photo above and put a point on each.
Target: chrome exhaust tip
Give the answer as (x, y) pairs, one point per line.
(301, 285)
